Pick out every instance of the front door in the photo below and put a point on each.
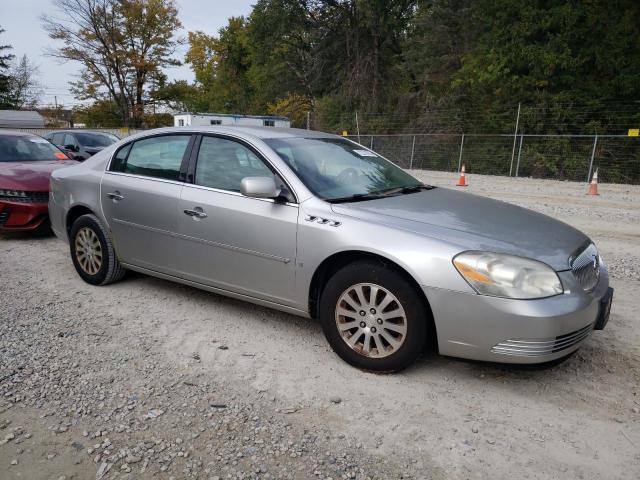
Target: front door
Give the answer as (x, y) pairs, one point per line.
(140, 194)
(233, 242)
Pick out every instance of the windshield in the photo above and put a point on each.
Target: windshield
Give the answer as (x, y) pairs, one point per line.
(96, 139)
(337, 169)
(24, 148)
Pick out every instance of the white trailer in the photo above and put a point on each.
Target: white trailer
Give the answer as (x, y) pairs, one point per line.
(203, 119)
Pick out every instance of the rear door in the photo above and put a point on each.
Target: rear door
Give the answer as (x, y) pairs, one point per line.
(237, 243)
(140, 194)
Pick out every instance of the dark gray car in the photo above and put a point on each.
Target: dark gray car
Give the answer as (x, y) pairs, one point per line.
(81, 144)
(319, 226)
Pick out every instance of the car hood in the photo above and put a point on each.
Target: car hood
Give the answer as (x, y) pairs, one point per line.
(474, 223)
(29, 176)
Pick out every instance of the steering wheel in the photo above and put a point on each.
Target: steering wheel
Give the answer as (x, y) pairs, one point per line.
(347, 175)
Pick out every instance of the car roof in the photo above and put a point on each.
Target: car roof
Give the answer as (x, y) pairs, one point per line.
(259, 132)
(96, 132)
(16, 133)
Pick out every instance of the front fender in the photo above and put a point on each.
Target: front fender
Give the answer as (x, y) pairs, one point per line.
(426, 259)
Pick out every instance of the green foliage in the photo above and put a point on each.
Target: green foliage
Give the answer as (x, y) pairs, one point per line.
(102, 113)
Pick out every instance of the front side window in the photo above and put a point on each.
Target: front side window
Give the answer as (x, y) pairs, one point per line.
(337, 168)
(158, 157)
(223, 163)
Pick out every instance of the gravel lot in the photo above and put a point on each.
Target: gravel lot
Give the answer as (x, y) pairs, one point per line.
(150, 379)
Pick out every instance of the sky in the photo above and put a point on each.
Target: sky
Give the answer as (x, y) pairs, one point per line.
(24, 32)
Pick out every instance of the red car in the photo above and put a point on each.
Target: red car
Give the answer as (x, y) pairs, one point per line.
(26, 163)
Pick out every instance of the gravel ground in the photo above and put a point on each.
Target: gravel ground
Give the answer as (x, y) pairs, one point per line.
(150, 379)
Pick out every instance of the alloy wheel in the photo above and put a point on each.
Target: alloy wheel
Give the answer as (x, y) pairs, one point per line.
(88, 250)
(371, 320)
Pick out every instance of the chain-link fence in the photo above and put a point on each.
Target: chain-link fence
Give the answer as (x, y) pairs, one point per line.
(561, 157)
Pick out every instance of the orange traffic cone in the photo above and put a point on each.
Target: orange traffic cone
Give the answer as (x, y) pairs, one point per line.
(593, 186)
(462, 181)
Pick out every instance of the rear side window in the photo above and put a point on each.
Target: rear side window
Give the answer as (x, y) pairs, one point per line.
(58, 139)
(158, 157)
(70, 140)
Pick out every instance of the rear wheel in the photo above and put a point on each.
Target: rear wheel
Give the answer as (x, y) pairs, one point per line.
(373, 317)
(92, 252)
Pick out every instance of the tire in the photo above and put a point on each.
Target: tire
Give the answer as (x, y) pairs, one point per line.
(408, 331)
(88, 234)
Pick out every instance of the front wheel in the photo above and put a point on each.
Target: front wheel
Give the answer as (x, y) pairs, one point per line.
(92, 252)
(373, 317)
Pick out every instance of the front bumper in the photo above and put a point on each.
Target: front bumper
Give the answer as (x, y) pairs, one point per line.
(20, 217)
(504, 330)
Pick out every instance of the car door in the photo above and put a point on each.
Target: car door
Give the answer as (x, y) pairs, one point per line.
(233, 242)
(139, 194)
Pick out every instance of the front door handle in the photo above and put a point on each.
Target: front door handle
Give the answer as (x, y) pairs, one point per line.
(196, 212)
(115, 195)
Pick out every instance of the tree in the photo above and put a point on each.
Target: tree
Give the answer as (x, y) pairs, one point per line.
(25, 88)
(221, 66)
(5, 59)
(122, 45)
(100, 114)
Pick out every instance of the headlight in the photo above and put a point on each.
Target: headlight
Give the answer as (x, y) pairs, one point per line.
(12, 193)
(508, 276)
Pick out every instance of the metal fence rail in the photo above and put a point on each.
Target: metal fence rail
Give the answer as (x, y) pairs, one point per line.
(561, 157)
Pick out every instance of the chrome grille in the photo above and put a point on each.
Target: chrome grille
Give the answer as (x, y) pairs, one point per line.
(29, 197)
(538, 348)
(4, 214)
(586, 267)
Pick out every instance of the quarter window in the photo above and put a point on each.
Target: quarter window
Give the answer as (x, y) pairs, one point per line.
(158, 157)
(269, 123)
(224, 163)
(215, 122)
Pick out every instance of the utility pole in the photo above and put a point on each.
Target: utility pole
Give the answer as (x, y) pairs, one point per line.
(515, 138)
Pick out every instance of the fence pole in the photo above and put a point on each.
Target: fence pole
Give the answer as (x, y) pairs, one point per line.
(519, 152)
(413, 147)
(371, 146)
(515, 137)
(593, 154)
(308, 120)
(358, 128)
(460, 156)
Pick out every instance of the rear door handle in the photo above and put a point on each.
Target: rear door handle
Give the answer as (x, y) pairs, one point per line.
(196, 212)
(115, 195)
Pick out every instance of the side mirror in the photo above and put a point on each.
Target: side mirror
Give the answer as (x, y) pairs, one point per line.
(259, 187)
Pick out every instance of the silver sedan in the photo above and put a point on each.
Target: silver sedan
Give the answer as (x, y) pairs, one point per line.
(319, 226)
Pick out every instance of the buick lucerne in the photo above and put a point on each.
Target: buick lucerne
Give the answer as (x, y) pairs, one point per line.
(319, 226)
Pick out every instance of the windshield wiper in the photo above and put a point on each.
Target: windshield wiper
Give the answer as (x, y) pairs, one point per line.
(358, 197)
(411, 189)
